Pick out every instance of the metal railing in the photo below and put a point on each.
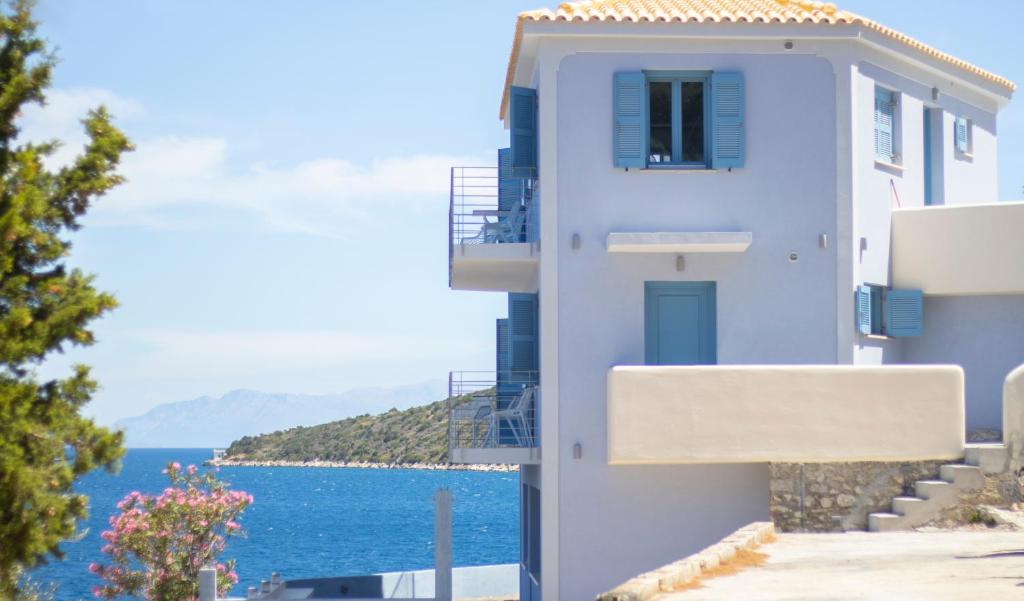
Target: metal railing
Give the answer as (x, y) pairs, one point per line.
(488, 410)
(482, 211)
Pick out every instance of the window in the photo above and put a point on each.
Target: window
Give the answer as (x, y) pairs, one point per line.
(676, 120)
(892, 312)
(529, 524)
(963, 136)
(887, 126)
(869, 310)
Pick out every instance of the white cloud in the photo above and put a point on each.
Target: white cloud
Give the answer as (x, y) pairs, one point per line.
(182, 182)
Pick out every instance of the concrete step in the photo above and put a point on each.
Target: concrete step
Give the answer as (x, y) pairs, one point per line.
(885, 522)
(911, 508)
(990, 457)
(963, 477)
(936, 492)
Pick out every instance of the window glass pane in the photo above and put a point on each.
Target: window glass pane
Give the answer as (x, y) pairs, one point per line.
(661, 122)
(692, 97)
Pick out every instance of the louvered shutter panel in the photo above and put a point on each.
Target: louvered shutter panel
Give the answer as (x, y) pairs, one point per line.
(501, 348)
(863, 301)
(522, 327)
(629, 104)
(510, 188)
(727, 129)
(904, 313)
(960, 130)
(523, 126)
(884, 111)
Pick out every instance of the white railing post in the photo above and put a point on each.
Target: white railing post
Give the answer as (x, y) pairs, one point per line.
(207, 584)
(443, 545)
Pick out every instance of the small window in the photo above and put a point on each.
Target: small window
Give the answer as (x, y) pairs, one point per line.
(887, 126)
(676, 120)
(892, 312)
(529, 524)
(869, 310)
(963, 136)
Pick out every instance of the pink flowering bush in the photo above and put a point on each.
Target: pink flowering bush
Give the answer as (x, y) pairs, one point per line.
(157, 544)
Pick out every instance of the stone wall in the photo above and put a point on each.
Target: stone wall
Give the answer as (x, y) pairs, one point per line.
(821, 497)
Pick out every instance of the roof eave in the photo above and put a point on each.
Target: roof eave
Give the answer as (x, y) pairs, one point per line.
(996, 86)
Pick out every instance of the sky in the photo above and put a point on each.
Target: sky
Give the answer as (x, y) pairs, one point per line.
(284, 227)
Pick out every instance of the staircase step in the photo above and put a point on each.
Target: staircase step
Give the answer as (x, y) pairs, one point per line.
(909, 507)
(990, 457)
(963, 477)
(885, 522)
(937, 492)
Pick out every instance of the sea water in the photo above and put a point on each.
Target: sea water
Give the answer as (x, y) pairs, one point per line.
(313, 522)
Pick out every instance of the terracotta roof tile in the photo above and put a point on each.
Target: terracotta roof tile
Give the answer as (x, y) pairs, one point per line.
(720, 11)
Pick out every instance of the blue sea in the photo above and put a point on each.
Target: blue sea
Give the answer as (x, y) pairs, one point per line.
(311, 522)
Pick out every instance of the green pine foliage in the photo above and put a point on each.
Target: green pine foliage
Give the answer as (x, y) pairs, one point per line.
(416, 435)
(45, 442)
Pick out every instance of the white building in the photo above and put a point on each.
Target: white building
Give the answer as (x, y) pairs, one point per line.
(730, 183)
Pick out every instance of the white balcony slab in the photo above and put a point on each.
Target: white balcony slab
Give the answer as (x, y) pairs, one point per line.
(784, 413)
(959, 249)
(495, 267)
(495, 456)
(679, 242)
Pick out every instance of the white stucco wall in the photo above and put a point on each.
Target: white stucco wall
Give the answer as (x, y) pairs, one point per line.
(960, 250)
(880, 189)
(784, 413)
(615, 522)
(982, 334)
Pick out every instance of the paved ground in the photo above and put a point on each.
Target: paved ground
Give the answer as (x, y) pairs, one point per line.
(862, 566)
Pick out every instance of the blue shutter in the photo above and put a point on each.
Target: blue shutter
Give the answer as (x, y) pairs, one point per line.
(863, 301)
(904, 312)
(884, 113)
(522, 329)
(629, 135)
(960, 131)
(523, 126)
(727, 129)
(501, 348)
(510, 198)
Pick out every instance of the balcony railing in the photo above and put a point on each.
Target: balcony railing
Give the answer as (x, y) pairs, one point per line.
(486, 209)
(489, 412)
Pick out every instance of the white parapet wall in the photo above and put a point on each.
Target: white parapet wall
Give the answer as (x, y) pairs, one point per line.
(960, 249)
(784, 413)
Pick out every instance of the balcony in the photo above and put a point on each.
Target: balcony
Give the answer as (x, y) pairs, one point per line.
(959, 249)
(492, 231)
(784, 413)
(493, 419)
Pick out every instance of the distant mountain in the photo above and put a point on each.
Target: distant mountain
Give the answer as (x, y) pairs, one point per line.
(216, 422)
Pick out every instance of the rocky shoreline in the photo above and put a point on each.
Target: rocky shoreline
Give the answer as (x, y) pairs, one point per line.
(474, 467)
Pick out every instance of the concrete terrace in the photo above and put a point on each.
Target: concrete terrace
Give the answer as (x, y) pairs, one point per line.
(938, 566)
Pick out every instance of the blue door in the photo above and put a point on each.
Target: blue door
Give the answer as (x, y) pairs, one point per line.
(679, 323)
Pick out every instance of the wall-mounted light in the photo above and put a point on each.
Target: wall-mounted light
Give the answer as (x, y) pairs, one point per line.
(935, 94)
(577, 451)
(823, 240)
(680, 263)
(793, 256)
(575, 241)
